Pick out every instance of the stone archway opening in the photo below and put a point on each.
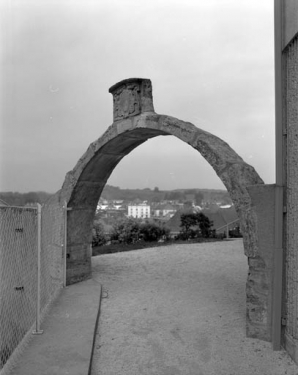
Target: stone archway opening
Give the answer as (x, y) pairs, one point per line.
(134, 123)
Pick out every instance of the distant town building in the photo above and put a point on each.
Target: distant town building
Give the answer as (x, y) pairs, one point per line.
(31, 204)
(140, 211)
(164, 210)
(110, 205)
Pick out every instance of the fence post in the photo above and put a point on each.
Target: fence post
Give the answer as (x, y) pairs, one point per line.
(64, 243)
(37, 330)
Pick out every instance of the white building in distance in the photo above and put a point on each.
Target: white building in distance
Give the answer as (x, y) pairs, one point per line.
(139, 211)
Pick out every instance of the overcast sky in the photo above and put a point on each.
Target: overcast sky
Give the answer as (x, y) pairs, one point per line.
(211, 63)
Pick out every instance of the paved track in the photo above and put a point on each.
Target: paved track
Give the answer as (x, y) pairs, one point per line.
(179, 310)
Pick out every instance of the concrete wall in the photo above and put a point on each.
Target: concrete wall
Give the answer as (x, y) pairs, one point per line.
(290, 155)
(290, 23)
(286, 104)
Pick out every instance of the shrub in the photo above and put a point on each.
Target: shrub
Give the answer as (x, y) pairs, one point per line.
(126, 231)
(98, 235)
(195, 225)
(151, 232)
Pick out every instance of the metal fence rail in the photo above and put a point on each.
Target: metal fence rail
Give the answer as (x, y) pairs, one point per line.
(31, 273)
(227, 226)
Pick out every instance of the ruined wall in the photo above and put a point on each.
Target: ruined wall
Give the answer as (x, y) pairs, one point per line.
(134, 122)
(259, 286)
(83, 185)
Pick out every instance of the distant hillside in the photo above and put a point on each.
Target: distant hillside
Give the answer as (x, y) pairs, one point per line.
(156, 195)
(21, 199)
(115, 193)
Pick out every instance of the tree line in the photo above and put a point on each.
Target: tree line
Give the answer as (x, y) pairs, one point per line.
(158, 195)
(115, 193)
(130, 230)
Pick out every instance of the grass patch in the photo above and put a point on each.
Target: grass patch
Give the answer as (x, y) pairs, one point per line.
(118, 248)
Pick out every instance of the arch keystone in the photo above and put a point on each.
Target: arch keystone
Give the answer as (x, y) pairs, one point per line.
(131, 97)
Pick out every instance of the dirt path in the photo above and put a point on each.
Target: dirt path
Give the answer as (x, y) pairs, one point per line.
(179, 310)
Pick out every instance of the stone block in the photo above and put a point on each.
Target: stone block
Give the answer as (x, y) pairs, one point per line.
(131, 97)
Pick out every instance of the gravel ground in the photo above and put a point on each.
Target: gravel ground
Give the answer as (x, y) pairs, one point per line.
(179, 310)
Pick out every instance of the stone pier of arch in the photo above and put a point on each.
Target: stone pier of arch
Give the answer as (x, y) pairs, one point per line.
(135, 121)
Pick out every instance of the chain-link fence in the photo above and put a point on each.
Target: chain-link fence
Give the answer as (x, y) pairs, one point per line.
(32, 266)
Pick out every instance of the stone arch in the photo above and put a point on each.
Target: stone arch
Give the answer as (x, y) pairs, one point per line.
(135, 122)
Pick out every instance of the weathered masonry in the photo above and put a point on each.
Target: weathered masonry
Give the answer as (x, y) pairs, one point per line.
(135, 122)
